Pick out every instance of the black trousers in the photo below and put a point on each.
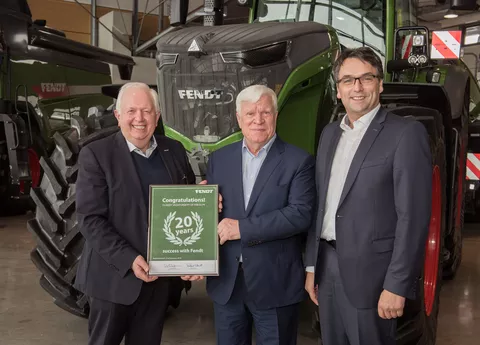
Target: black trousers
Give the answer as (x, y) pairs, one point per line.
(140, 322)
(340, 322)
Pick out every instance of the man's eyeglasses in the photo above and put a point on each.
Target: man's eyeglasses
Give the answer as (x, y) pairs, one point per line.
(365, 79)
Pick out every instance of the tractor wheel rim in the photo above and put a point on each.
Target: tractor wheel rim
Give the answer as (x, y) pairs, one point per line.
(34, 162)
(432, 252)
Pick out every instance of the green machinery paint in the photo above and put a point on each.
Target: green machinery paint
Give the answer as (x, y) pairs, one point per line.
(48, 83)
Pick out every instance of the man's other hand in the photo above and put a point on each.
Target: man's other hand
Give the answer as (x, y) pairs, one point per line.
(140, 269)
(192, 278)
(310, 287)
(220, 198)
(228, 230)
(390, 305)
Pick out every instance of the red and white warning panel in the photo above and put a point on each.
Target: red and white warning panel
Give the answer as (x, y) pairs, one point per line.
(473, 166)
(446, 44)
(407, 41)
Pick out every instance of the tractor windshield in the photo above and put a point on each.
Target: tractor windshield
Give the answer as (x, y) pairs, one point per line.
(356, 25)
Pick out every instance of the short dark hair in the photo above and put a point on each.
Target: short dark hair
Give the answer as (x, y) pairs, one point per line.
(364, 54)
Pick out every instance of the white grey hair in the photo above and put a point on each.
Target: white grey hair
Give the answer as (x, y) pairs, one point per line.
(137, 85)
(253, 93)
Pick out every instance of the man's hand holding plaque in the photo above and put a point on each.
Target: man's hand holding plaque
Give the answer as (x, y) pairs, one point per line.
(220, 206)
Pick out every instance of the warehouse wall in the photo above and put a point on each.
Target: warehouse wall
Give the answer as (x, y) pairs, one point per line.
(72, 19)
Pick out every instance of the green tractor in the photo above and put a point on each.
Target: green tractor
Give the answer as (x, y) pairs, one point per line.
(291, 47)
(50, 94)
(55, 98)
(48, 84)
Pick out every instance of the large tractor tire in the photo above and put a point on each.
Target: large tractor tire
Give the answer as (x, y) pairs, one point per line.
(453, 239)
(419, 324)
(55, 228)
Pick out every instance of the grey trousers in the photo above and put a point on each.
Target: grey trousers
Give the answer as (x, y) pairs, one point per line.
(340, 322)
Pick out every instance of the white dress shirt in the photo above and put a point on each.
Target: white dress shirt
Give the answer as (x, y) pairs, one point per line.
(347, 147)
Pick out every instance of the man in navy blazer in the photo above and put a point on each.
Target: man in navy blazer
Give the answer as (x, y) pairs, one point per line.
(374, 179)
(268, 191)
(112, 209)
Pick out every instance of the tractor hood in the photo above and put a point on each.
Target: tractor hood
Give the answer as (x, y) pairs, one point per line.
(201, 70)
(216, 39)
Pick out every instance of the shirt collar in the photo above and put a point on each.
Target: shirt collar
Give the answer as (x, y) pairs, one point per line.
(364, 121)
(152, 146)
(265, 147)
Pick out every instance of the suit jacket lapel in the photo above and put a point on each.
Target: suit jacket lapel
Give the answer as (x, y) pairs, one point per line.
(169, 162)
(125, 162)
(368, 139)
(236, 172)
(273, 159)
(331, 153)
(326, 170)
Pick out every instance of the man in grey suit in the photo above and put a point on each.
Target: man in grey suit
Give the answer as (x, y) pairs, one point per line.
(365, 249)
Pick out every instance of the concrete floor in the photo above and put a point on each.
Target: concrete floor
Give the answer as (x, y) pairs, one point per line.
(28, 316)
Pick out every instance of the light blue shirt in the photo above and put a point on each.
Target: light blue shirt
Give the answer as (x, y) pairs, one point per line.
(251, 165)
(152, 146)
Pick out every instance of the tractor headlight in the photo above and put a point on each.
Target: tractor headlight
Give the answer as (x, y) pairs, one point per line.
(418, 40)
(412, 59)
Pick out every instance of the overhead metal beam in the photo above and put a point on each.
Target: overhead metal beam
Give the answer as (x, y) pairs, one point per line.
(161, 7)
(134, 24)
(94, 25)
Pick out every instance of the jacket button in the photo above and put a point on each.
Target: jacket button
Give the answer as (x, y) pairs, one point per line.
(318, 238)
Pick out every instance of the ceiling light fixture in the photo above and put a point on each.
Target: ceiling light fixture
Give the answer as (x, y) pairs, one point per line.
(450, 15)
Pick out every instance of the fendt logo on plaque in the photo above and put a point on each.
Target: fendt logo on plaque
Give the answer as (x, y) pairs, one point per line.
(183, 226)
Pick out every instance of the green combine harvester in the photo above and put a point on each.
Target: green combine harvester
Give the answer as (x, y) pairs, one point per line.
(291, 47)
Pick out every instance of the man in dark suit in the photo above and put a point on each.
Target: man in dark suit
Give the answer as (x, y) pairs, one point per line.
(268, 191)
(112, 209)
(373, 172)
